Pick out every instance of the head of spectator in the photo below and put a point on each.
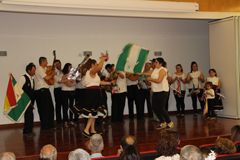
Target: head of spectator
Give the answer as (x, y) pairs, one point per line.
(175, 135)
(7, 156)
(96, 145)
(235, 133)
(205, 151)
(48, 151)
(190, 152)
(130, 153)
(109, 67)
(224, 146)
(79, 154)
(166, 144)
(127, 141)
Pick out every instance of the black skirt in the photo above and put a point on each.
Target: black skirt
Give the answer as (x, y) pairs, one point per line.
(92, 106)
(217, 100)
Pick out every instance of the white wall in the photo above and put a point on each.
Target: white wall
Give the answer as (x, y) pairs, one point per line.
(26, 37)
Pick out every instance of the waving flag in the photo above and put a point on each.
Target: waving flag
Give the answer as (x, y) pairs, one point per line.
(132, 59)
(16, 101)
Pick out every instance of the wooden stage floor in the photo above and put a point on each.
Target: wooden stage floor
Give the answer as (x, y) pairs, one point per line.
(192, 131)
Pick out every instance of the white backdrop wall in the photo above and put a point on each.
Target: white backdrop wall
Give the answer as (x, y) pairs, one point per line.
(26, 37)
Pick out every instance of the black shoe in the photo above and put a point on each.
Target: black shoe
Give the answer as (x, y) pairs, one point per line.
(87, 135)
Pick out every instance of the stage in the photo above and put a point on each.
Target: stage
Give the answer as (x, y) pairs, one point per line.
(192, 131)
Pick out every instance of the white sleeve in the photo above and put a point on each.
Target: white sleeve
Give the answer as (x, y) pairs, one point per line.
(21, 81)
(184, 76)
(41, 73)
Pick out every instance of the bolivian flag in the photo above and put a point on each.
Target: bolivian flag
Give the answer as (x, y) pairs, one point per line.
(16, 101)
(132, 59)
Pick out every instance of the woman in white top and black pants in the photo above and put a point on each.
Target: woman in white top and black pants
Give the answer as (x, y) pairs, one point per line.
(195, 78)
(160, 88)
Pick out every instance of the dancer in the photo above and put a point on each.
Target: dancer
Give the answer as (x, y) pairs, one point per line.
(210, 95)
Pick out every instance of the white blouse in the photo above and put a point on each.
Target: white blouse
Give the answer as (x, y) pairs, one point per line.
(175, 84)
(89, 81)
(81, 84)
(159, 87)
(122, 83)
(208, 96)
(174, 157)
(194, 81)
(214, 80)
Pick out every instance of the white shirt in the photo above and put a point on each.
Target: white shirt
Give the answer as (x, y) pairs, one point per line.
(22, 80)
(89, 81)
(208, 96)
(39, 78)
(130, 82)
(159, 87)
(96, 155)
(174, 157)
(194, 81)
(81, 85)
(214, 80)
(122, 83)
(58, 78)
(175, 84)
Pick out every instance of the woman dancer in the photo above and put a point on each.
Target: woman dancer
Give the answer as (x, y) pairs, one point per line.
(195, 79)
(179, 80)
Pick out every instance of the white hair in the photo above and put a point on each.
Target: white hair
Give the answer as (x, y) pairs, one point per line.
(190, 152)
(7, 156)
(96, 143)
(45, 154)
(79, 154)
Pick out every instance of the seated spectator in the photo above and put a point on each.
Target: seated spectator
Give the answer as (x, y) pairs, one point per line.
(175, 135)
(7, 156)
(130, 153)
(96, 146)
(190, 152)
(79, 154)
(207, 153)
(126, 141)
(224, 146)
(235, 133)
(48, 152)
(167, 147)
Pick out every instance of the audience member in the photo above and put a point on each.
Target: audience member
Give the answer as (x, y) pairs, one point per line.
(96, 146)
(7, 156)
(48, 151)
(126, 141)
(207, 153)
(167, 147)
(175, 135)
(190, 152)
(79, 154)
(224, 146)
(130, 153)
(235, 133)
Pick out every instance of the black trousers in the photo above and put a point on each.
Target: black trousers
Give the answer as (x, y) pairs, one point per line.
(158, 103)
(68, 99)
(166, 105)
(211, 112)
(118, 104)
(79, 98)
(194, 100)
(45, 108)
(180, 102)
(133, 95)
(58, 104)
(145, 95)
(28, 119)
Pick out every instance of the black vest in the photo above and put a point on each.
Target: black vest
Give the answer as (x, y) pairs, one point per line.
(28, 88)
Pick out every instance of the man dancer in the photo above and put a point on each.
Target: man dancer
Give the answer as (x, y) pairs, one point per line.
(43, 95)
(26, 82)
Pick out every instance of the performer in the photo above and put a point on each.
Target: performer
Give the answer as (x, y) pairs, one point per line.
(145, 90)
(26, 82)
(217, 85)
(210, 95)
(179, 80)
(43, 95)
(169, 83)
(68, 95)
(160, 92)
(195, 79)
(58, 92)
(92, 106)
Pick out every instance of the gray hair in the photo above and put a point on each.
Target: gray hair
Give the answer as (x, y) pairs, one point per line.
(190, 152)
(96, 143)
(79, 154)
(7, 156)
(48, 151)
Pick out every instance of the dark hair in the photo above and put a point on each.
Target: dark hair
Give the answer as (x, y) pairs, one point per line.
(57, 60)
(41, 59)
(193, 62)
(65, 68)
(125, 142)
(213, 71)
(89, 63)
(30, 66)
(175, 135)
(205, 151)
(167, 144)
(235, 133)
(161, 60)
(224, 146)
(130, 153)
(109, 66)
(209, 83)
(180, 66)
